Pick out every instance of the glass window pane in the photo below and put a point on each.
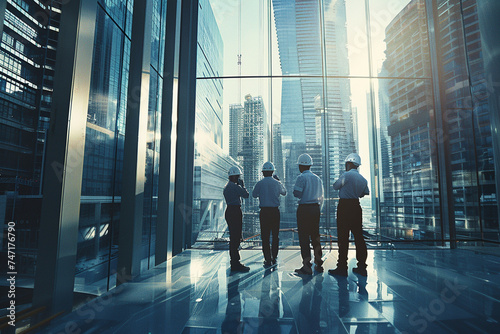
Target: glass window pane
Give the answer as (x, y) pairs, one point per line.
(238, 31)
(104, 140)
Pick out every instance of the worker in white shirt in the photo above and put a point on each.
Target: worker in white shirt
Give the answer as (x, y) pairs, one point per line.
(351, 186)
(233, 192)
(309, 189)
(268, 190)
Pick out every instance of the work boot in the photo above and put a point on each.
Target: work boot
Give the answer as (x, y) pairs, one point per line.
(305, 270)
(338, 272)
(360, 271)
(240, 267)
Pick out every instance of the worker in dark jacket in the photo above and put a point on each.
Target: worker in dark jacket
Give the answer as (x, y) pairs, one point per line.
(309, 190)
(268, 190)
(351, 186)
(233, 192)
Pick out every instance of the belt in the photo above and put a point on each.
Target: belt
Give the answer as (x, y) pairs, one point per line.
(310, 204)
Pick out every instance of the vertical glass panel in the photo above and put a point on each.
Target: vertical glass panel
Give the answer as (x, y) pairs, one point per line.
(121, 13)
(487, 15)
(101, 182)
(409, 199)
(152, 172)
(238, 30)
(467, 120)
(246, 125)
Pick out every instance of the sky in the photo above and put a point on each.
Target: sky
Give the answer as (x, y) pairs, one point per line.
(258, 45)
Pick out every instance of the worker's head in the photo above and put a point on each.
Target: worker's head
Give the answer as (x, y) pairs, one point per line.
(349, 166)
(234, 174)
(352, 161)
(304, 161)
(268, 169)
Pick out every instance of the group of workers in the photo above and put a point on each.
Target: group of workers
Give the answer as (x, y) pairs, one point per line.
(308, 189)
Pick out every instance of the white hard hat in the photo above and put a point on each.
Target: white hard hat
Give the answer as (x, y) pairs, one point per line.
(305, 160)
(268, 167)
(354, 158)
(235, 170)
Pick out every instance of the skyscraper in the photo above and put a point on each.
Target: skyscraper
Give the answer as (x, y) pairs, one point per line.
(414, 182)
(235, 129)
(467, 118)
(27, 63)
(254, 132)
(312, 41)
(410, 194)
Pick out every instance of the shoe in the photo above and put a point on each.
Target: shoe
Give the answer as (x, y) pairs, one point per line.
(305, 270)
(360, 271)
(338, 272)
(267, 264)
(240, 267)
(274, 261)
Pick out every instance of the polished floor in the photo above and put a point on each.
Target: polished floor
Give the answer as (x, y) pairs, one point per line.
(407, 291)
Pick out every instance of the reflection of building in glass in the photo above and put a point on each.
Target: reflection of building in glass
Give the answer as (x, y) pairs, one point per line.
(27, 63)
(414, 201)
(100, 202)
(468, 119)
(312, 40)
(384, 150)
(410, 200)
(211, 163)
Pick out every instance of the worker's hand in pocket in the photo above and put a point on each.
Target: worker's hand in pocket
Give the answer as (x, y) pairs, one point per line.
(276, 177)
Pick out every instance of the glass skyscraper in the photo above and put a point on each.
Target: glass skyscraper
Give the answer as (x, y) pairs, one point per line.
(316, 109)
(29, 41)
(119, 121)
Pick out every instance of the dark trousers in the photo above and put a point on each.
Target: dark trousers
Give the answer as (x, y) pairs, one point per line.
(234, 219)
(308, 226)
(269, 223)
(350, 219)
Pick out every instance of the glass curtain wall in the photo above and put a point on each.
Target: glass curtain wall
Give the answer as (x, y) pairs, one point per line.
(29, 32)
(104, 146)
(279, 78)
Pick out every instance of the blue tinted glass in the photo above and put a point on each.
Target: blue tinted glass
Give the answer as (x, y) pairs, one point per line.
(101, 182)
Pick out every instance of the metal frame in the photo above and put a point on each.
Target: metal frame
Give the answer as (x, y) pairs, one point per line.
(186, 113)
(134, 158)
(488, 11)
(54, 279)
(166, 183)
(442, 142)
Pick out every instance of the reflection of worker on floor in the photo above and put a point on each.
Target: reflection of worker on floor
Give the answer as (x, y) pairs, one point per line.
(268, 190)
(233, 192)
(232, 321)
(309, 189)
(351, 186)
(309, 317)
(357, 307)
(269, 306)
